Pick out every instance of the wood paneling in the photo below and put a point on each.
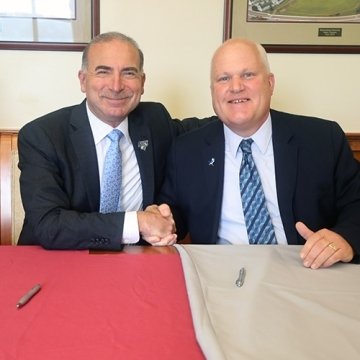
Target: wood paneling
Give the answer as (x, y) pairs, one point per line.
(8, 143)
(354, 141)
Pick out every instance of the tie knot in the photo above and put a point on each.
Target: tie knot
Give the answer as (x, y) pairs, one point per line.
(115, 135)
(245, 145)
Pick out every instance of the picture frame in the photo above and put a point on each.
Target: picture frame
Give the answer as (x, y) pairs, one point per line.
(49, 29)
(292, 36)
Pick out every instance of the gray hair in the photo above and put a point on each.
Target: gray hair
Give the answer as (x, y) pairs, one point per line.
(106, 37)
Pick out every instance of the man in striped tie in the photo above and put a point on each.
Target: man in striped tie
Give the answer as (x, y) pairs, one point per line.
(259, 176)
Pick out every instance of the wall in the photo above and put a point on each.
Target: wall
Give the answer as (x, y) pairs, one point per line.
(178, 39)
(324, 85)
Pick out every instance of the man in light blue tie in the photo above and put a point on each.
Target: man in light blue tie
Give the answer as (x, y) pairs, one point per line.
(259, 176)
(82, 187)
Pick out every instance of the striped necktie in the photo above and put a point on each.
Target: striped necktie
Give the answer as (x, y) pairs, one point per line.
(111, 179)
(257, 218)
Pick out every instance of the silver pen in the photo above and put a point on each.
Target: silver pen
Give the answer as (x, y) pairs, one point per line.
(28, 296)
(240, 280)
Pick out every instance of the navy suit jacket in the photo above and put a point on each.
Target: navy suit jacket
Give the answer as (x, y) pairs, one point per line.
(317, 179)
(59, 178)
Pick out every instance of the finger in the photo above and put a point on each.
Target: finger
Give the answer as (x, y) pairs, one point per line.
(311, 249)
(319, 251)
(167, 240)
(305, 233)
(326, 258)
(303, 230)
(164, 209)
(152, 239)
(153, 209)
(331, 260)
(160, 241)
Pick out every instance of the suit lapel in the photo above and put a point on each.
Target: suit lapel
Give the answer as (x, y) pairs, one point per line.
(285, 157)
(84, 147)
(144, 149)
(212, 162)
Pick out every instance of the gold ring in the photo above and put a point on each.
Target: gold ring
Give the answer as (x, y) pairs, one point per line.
(332, 246)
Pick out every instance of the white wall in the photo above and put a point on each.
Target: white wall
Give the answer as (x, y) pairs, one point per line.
(178, 38)
(323, 85)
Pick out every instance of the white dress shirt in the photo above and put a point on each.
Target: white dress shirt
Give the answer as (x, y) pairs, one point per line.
(131, 188)
(232, 227)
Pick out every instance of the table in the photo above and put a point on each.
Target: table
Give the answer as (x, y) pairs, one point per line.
(283, 311)
(129, 305)
(135, 305)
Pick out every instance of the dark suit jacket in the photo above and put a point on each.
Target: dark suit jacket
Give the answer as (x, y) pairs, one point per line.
(59, 178)
(317, 179)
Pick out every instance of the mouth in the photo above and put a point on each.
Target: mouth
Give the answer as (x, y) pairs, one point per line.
(238, 101)
(116, 98)
(123, 96)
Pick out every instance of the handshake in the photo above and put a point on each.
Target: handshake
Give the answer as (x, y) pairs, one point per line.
(157, 225)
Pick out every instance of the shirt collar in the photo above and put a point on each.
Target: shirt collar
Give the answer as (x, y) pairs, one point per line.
(100, 129)
(262, 138)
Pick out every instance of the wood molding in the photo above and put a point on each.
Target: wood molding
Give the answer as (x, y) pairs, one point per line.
(354, 141)
(8, 143)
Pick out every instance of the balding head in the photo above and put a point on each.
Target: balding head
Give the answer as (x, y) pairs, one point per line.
(241, 85)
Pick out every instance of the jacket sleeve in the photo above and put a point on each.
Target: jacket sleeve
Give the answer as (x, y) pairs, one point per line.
(58, 214)
(347, 180)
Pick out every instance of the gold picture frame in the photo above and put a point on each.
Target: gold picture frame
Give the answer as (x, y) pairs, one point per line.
(323, 36)
(48, 30)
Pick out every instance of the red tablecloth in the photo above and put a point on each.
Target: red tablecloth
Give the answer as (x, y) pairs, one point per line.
(108, 306)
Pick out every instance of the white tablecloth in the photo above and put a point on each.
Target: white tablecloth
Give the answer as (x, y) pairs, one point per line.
(283, 310)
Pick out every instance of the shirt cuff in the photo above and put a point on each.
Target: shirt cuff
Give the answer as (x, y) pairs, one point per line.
(131, 228)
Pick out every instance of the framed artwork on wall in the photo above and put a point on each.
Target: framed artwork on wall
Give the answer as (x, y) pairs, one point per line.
(296, 26)
(62, 25)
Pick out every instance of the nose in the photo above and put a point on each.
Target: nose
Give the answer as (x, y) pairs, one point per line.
(116, 83)
(236, 84)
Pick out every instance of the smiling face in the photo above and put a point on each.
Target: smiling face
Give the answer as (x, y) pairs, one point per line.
(113, 80)
(241, 86)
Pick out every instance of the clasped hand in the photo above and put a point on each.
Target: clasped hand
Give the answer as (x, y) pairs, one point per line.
(157, 226)
(323, 248)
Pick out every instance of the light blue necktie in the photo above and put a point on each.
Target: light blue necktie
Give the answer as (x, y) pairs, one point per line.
(111, 179)
(257, 218)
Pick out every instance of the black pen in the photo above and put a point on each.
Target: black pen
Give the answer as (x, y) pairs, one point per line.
(28, 296)
(240, 280)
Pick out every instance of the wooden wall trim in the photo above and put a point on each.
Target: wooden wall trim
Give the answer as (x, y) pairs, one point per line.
(8, 143)
(354, 141)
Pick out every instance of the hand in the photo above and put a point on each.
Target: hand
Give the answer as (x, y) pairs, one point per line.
(158, 241)
(323, 248)
(157, 225)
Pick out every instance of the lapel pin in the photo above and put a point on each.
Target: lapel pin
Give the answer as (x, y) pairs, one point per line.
(211, 162)
(143, 144)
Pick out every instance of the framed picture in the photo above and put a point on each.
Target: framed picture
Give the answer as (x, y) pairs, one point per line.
(296, 26)
(64, 25)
